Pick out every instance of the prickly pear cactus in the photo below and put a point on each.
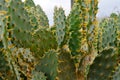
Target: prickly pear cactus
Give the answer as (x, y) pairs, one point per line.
(23, 34)
(66, 68)
(4, 67)
(116, 73)
(75, 34)
(37, 16)
(24, 61)
(29, 3)
(77, 47)
(107, 33)
(38, 76)
(41, 17)
(103, 65)
(118, 33)
(106, 65)
(60, 24)
(48, 64)
(60, 66)
(85, 40)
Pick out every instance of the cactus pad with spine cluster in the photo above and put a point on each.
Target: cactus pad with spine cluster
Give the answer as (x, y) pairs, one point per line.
(116, 73)
(60, 24)
(66, 68)
(108, 35)
(37, 16)
(74, 21)
(38, 76)
(48, 64)
(103, 65)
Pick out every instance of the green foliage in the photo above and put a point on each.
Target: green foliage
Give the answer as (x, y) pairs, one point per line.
(108, 35)
(38, 41)
(37, 16)
(74, 24)
(103, 65)
(66, 68)
(59, 24)
(48, 64)
(75, 48)
(41, 17)
(4, 67)
(29, 3)
(24, 62)
(24, 34)
(116, 73)
(38, 76)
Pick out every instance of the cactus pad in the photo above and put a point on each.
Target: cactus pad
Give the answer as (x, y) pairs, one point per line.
(103, 65)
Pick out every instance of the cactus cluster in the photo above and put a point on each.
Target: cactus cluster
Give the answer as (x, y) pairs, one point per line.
(77, 47)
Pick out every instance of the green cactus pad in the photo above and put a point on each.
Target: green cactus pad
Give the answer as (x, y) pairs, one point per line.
(3, 5)
(41, 17)
(37, 16)
(24, 62)
(60, 24)
(48, 64)
(4, 67)
(42, 41)
(108, 35)
(116, 73)
(38, 76)
(38, 42)
(103, 65)
(18, 23)
(66, 68)
(75, 34)
(29, 3)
